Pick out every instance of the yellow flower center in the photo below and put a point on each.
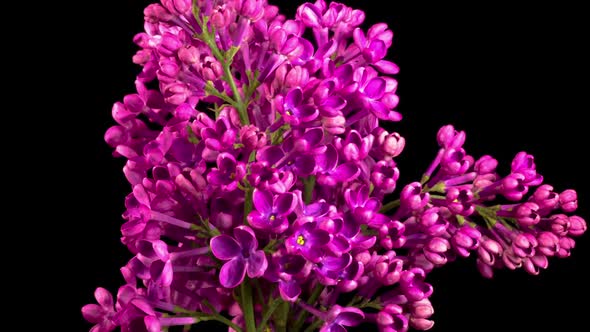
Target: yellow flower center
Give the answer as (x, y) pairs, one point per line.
(272, 217)
(300, 240)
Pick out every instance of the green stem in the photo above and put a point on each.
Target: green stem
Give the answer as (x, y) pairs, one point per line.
(508, 223)
(372, 305)
(240, 105)
(460, 220)
(309, 185)
(268, 313)
(259, 294)
(207, 36)
(225, 321)
(230, 79)
(489, 212)
(281, 317)
(317, 291)
(389, 206)
(277, 136)
(203, 317)
(314, 326)
(253, 84)
(355, 299)
(247, 305)
(438, 188)
(210, 89)
(248, 205)
(225, 58)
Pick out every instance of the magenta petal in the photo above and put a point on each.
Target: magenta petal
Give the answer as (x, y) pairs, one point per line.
(216, 177)
(271, 154)
(364, 241)
(116, 135)
(314, 136)
(334, 328)
(226, 161)
(395, 116)
(160, 249)
(372, 203)
(375, 88)
(340, 244)
(138, 268)
(285, 203)
(306, 113)
(125, 295)
(133, 103)
(346, 172)
(344, 73)
(145, 248)
(293, 99)
(381, 111)
(141, 195)
(162, 272)
(232, 273)
(208, 133)
(379, 219)
(246, 238)
(375, 51)
(309, 15)
(258, 220)
(414, 294)
(349, 228)
(257, 264)
(333, 104)
(305, 165)
(316, 209)
(213, 144)
(337, 263)
(225, 247)
(289, 290)
(288, 45)
(262, 200)
(386, 67)
(291, 264)
(152, 324)
(104, 298)
(312, 254)
(142, 305)
(305, 50)
(93, 313)
(318, 237)
(182, 150)
(363, 194)
(132, 228)
(104, 326)
(329, 159)
(352, 317)
(354, 137)
(359, 38)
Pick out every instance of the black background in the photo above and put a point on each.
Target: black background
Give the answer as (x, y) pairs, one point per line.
(513, 78)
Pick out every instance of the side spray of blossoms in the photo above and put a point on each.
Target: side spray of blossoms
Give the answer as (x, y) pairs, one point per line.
(258, 170)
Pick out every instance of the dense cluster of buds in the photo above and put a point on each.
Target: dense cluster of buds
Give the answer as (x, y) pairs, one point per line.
(258, 169)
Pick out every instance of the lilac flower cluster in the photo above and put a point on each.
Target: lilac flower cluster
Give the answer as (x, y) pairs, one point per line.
(258, 170)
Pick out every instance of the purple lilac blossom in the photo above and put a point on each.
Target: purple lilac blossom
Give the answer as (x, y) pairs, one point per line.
(259, 170)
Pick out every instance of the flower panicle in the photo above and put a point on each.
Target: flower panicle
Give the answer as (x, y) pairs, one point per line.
(258, 169)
